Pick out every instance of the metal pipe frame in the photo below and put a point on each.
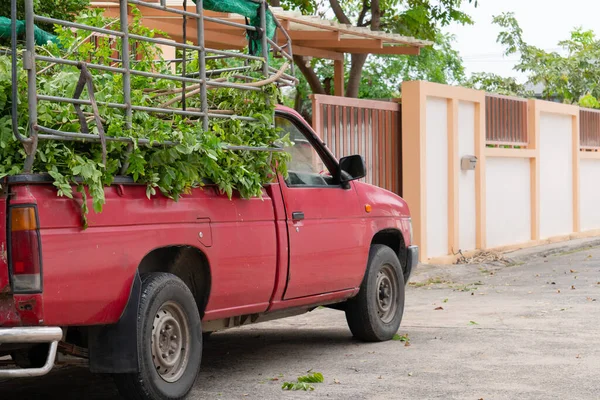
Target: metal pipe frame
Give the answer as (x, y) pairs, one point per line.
(202, 63)
(33, 372)
(41, 334)
(30, 58)
(29, 64)
(14, 73)
(39, 18)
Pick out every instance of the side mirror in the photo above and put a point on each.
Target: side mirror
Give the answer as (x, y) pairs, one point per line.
(352, 168)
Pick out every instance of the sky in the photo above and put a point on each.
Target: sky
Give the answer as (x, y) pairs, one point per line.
(544, 24)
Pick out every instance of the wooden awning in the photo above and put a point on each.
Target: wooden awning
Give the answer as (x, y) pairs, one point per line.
(311, 35)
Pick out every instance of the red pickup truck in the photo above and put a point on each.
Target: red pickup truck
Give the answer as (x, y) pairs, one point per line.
(134, 292)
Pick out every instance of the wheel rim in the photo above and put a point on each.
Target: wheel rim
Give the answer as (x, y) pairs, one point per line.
(387, 294)
(170, 341)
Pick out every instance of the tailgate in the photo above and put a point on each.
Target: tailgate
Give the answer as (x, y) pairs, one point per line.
(3, 245)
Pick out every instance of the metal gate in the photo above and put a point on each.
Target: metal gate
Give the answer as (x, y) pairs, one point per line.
(367, 127)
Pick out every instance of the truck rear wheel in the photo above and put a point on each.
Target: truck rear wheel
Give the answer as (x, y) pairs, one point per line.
(169, 341)
(374, 315)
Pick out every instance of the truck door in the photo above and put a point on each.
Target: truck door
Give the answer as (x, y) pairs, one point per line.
(326, 228)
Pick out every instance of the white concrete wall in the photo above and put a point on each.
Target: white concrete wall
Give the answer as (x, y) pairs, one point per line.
(467, 235)
(508, 196)
(437, 177)
(556, 175)
(589, 181)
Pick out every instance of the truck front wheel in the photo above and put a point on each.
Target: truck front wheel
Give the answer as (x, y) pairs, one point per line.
(374, 315)
(169, 341)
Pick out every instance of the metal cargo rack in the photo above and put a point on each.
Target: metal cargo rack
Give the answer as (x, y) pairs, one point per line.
(200, 79)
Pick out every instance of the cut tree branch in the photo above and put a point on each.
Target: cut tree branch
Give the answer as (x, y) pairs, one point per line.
(339, 12)
(375, 15)
(363, 13)
(311, 76)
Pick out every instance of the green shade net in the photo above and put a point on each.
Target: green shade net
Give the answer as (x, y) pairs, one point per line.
(251, 11)
(41, 37)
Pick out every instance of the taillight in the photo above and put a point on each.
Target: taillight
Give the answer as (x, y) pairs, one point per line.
(24, 254)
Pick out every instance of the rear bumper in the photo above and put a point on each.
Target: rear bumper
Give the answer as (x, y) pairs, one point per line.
(50, 335)
(412, 259)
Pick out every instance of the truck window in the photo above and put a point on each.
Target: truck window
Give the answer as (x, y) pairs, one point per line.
(306, 167)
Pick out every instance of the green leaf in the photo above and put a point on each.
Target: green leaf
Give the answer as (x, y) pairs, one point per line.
(316, 377)
(401, 338)
(297, 386)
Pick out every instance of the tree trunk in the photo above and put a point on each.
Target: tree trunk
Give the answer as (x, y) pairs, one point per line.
(356, 69)
(298, 102)
(313, 79)
(359, 60)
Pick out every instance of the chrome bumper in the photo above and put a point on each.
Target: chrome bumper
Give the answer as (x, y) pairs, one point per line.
(50, 335)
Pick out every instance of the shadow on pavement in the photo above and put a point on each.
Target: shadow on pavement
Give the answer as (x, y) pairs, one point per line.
(244, 349)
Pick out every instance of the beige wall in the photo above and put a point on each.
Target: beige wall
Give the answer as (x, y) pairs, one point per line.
(544, 191)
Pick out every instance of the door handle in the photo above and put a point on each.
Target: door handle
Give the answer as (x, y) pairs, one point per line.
(298, 216)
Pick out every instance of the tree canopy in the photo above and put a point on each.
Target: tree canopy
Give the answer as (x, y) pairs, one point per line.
(59, 9)
(571, 75)
(423, 19)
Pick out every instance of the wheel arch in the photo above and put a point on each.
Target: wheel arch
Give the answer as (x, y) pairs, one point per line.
(393, 239)
(188, 263)
(113, 348)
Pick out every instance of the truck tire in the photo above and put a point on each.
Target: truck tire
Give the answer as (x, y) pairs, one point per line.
(169, 341)
(374, 315)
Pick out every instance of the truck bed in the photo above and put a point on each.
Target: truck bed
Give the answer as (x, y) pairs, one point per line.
(106, 255)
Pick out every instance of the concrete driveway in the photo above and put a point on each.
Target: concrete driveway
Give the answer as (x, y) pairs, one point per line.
(523, 331)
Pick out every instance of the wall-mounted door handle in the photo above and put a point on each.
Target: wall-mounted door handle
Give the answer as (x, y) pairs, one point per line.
(298, 216)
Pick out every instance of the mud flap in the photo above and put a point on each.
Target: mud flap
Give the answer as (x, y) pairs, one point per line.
(113, 348)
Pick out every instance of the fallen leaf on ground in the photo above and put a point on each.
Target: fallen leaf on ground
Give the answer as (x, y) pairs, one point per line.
(558, 291)
(473, 323)
(335, 381)
(572, 287)
(401, 338)
(573, 271)
(439, 308)
(445, 300)
(410, 374)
